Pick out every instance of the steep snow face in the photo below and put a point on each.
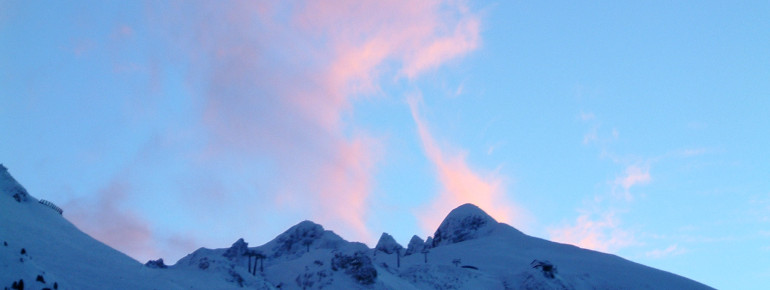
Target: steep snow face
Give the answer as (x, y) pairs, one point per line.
(36, 241)
(464, 223)
(388, 244)
(9, 186)
(416, 244)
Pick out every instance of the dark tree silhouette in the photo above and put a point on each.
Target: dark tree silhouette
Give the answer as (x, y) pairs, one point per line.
(425, 252)
(18, 285)
(307, 243)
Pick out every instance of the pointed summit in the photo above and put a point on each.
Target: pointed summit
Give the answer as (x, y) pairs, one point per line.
(416, 244)
(465, 222)
(387, 244)
(303, 237)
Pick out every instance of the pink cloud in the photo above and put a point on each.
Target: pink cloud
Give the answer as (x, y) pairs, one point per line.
(601, 233)
(634, 175)
(418, 35)
(105, 220)
(460, 184)
(278, 79)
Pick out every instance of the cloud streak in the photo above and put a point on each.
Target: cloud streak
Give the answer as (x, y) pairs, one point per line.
(634, 175)
(461, 184)
(277, 80)
(672, 250)
(106, 221)
(600, 233)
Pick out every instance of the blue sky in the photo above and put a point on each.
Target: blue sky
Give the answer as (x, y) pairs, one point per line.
(638, 129)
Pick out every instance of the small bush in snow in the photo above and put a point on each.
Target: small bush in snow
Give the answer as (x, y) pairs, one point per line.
(548, 269)
(204, 263)
(359, 266)
(18, 285)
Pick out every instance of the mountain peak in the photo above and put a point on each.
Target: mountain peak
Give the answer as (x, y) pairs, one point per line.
(465, 222)
(10, 186)
(416, 244)
(469, 209)
(303, 237)
(237, 250)
(387, 244)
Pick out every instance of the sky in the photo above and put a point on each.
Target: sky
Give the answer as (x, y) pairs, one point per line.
(638, 129)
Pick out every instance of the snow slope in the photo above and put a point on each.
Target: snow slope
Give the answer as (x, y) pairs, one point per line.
(469, 250)
(60, 253)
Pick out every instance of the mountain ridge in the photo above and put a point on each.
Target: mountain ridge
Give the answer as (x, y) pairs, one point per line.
(469, 250)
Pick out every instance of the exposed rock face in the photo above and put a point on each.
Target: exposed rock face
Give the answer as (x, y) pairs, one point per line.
(387, 244)
(156, 264)
(237, 250)
(416, 244)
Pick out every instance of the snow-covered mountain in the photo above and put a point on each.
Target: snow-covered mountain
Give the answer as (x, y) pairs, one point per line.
(469, 250)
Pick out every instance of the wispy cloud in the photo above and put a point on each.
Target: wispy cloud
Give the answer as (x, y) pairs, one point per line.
(598, 226)
(634, 175)
(672, 250)
(597, 232)
(586, 116)
(104, 219)
(278, 78)
(268, 89)
(691, 152)
(461, 184)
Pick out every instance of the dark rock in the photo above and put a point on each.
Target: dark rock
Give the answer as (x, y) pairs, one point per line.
(156, 264)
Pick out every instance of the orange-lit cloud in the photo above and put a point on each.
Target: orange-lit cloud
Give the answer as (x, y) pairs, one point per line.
(460, 184)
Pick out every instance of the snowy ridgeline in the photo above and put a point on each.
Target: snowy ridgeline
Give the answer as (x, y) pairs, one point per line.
(469, 250)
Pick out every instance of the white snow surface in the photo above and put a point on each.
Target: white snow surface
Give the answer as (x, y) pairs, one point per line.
(62, 254)
(470, 251)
